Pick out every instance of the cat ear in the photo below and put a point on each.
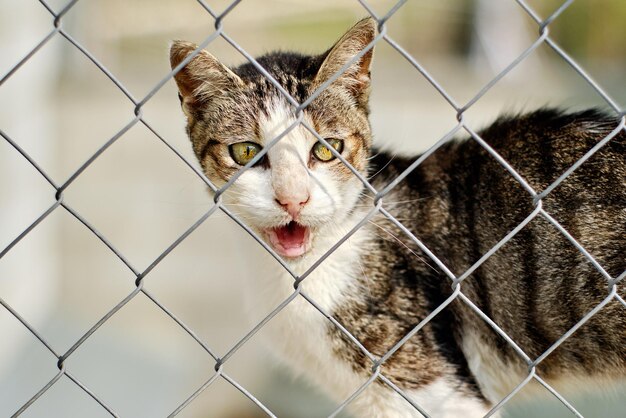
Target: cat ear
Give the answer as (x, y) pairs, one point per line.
(356, 78)
(203, 78)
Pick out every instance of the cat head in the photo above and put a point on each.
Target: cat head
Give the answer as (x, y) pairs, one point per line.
(298, 193)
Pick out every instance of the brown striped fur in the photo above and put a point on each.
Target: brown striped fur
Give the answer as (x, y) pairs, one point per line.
(459, 202)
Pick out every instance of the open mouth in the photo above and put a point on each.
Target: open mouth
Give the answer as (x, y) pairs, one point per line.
(291, 240)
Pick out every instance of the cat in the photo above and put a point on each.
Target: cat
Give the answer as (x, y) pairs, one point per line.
(459, 202)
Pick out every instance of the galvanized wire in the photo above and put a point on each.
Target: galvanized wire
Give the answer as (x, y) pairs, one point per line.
(378, 208)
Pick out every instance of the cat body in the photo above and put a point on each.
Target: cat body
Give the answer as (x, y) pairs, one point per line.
(459, 202)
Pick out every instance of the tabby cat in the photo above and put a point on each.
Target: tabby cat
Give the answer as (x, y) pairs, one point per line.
(459, 202)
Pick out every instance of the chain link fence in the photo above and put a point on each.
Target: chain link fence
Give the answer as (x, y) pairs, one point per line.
(221, 20)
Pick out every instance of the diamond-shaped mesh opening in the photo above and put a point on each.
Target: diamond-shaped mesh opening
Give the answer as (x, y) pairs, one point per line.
(189, 280)
(97, 64)
(147, 362)
(91, 108)
(93, 281)
(140, 221)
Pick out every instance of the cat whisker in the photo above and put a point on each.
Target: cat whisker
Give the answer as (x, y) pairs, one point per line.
(399, 202)
(383, 167)
(399, 241)
(244, 205)
(396, 203)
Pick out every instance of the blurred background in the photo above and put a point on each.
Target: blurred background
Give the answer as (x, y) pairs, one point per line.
(60, 108)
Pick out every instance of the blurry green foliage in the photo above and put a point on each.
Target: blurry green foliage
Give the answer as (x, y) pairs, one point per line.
(589, 29)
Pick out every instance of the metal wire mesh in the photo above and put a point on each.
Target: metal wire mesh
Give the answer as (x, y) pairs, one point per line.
(378, 208)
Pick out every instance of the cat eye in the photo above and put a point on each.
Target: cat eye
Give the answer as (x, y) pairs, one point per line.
(243, 152)
(321, 151)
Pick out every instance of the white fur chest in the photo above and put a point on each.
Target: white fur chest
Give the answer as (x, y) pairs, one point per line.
(299, 333)
(299, 336)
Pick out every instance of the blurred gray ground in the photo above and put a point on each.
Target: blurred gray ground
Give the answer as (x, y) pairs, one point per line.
(61, 109)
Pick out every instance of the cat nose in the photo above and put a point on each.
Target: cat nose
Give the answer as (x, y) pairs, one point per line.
(293, 205)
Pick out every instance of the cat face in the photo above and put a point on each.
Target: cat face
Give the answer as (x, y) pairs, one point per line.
(298, 192)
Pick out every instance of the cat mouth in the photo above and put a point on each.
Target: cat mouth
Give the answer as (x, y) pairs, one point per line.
(291, 240)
